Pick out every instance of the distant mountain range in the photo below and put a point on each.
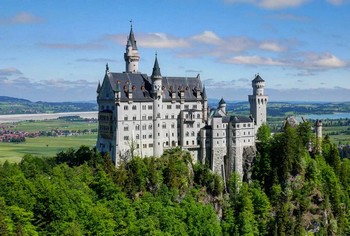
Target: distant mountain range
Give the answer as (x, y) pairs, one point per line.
(11, 105)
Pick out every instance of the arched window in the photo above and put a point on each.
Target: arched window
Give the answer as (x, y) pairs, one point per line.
(125, 117)
(137, 127)
(192, 134)
(187, 134)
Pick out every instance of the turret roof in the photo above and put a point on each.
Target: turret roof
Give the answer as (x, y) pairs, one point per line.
(131, 39)
(156, 69)
(258, 79)
(222, 101)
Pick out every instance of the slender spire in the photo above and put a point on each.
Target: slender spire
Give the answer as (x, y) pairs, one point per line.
(131, 38)
(156, 69)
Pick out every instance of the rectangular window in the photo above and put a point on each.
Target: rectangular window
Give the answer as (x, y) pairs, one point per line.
(168, 106)
(150, 145)
(166, 116)
(172, 117)
(126, 137)
(126, 107)
(149, 107)
(143, 117)
(143, 107)
(150, 117)
(194, 106)
(144, 145)
(178, 106)
(186, 106)
(150, 136)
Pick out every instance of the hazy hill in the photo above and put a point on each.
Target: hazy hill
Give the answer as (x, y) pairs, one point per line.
(10, 105)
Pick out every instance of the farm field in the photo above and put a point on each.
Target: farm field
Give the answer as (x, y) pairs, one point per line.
(44, 146)
(48, 145)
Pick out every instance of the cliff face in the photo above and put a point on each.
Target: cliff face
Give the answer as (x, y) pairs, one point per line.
(249, 154)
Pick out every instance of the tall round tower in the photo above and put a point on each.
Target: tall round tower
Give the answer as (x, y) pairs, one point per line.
(318, 128)
(157, 109)
(131, 55)
(258, 102)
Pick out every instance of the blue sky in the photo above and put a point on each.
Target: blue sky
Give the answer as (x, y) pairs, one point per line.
(57, 50)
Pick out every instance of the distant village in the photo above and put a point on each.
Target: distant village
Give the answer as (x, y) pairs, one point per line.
(9, 133)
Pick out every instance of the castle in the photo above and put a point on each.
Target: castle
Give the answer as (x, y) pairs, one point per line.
(144, 115)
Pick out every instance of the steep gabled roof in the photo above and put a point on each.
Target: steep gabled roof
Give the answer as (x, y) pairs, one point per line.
(141, 85)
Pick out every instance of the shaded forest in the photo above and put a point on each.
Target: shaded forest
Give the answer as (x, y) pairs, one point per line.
(80, 192)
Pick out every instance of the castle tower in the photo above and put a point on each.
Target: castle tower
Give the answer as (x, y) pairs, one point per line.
(222, 105)
(318, 128)
(131, 55)
(258, 102)
(157, 109)
(205, 105)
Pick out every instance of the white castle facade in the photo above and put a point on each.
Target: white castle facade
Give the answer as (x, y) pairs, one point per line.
(144, 115)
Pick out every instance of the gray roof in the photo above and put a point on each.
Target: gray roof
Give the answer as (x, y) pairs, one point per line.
(240, 119)
(141, 85)
(258, 79)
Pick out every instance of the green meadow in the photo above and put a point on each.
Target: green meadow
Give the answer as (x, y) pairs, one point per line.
(46, 145)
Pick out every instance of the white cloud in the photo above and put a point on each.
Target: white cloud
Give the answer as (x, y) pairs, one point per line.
(322, 61)
(21, 18)
(254, 60)
(161, 40)
(10, 71)
(271, 46)
(271, 4)
(207, 37)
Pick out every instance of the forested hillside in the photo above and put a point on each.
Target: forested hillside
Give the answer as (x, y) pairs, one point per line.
(10, 105)
(80, 192)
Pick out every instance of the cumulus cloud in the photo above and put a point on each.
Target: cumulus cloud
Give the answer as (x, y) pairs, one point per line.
(254, 60)
(271, 46)
(207, 37)
(12, 80)
(10, 71)
(21, 18)
(152, 40)
(161, 40)
(271, 4)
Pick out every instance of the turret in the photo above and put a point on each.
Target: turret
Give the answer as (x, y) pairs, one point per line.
(205, 105)
(156, 78)
(318, 128)
(222, 105)
(131, 55)
(258, 102)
